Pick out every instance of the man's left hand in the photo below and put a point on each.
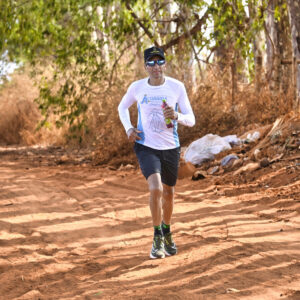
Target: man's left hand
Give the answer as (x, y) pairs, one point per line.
(170, 113)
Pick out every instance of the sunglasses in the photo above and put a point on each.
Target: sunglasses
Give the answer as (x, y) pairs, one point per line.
(151, 63)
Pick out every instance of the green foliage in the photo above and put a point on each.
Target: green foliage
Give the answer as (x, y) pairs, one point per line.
(76, 46)
(280, 10)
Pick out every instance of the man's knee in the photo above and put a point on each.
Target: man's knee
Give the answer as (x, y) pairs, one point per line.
(168, 190)
(156, 192)
(154, 182)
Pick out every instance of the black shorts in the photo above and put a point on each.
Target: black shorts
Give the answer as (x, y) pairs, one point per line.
(165, 162)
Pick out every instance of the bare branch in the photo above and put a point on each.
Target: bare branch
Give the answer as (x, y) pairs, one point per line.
(176, 20)
(194, 50)
(146, 30)
(157, 9)
(118, 59)
(185, 35)
(23, 3)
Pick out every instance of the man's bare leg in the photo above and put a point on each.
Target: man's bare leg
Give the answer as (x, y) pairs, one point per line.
(156, 191)
(167, 203)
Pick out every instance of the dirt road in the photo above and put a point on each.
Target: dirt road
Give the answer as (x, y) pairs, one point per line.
(81, 232)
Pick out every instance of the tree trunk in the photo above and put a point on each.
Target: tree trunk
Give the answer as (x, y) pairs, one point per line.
(139, 61)
(258, 41)
(185, 52)
(273, 62)
(294, 16)
(223, 52)
(278, 48)
(286, 52)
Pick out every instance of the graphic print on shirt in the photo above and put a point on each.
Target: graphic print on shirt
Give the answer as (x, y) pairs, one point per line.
(155, 114)
(153, 100)
(156, 123)
(145, 100)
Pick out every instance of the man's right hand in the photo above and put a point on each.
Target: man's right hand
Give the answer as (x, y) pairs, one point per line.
(132, 134)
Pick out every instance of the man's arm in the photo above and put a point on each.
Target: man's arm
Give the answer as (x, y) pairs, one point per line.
(127, 100)
(186, 117)
(124, 115)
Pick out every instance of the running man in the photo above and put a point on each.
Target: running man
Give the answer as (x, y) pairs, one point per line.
(156, 145)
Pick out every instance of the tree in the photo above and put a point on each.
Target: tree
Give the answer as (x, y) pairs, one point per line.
(258, 43)
(278, 46)
(294, 16)
(78, 47)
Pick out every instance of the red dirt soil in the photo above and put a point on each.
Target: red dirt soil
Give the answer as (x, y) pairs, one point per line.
(77, 231)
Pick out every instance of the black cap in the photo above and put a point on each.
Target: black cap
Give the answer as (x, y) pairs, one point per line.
(153, 51)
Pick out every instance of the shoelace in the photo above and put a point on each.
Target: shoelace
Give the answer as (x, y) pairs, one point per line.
(168, 239)
(158, 242)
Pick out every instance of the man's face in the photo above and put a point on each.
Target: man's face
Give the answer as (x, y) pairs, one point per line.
(157, 70)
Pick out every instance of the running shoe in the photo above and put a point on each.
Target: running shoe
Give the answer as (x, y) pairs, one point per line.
(157, 250)
(170, 247)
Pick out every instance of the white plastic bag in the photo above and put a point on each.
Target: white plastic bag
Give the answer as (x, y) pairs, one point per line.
(232, 139)
(205, 149)
(252, 137)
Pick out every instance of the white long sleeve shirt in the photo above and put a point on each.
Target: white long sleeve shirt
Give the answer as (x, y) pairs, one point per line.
(155, 133)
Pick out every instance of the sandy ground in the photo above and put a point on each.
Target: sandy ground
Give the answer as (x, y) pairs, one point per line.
(76, 231)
